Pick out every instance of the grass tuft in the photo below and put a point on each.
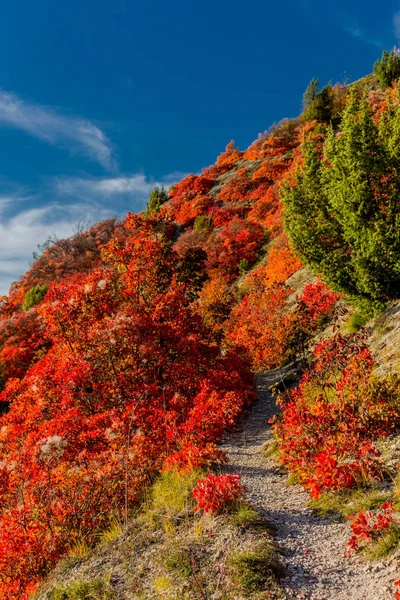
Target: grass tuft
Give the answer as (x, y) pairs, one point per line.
(177, 561)
(349, 502)
(254, 570)
(246, 517)
(112, 533)
(355, 322)
(383, 546)
(83, 590)
(171, 493)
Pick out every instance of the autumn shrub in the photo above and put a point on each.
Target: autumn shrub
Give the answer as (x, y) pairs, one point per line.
(216, 492)
(319, 301)
(260, 327)
(236, 241)
(328, 425)
(281, 263)
(190, 198)
(374, 528)
(228, 158)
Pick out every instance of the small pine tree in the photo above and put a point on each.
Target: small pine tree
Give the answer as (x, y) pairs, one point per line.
(202, 222)
(318, 104)
(34, 296)
(342, 209)
(387, 69)
(156, 199)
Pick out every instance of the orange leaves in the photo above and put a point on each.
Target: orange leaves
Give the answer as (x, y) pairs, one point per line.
(190, 198)
(240, 240)
(271, 170)
(281, 263)
(260, 326)
(229, 157)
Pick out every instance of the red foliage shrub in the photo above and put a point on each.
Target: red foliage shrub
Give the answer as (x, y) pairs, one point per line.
(397, 592)
(367, 526)
(217, 491)
(271, 170)
(281, 263)
(267, 208)
(260, 326)
(328, 424)
(237, 189)
(21, 342)
(190, 198)
(239, 240)
(319, 300)
(230, 157)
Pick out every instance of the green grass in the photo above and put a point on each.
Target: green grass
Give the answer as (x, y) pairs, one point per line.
(355, 322)
(349, 502)
(83, 590)
(112, 533)
(245, 517)
(380, 548)
(76, 555)
(271, 449)
(293, 479)
(254, 569)
(177, 561)
(171, 493)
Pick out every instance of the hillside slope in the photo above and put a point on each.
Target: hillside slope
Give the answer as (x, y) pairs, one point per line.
(128, 350)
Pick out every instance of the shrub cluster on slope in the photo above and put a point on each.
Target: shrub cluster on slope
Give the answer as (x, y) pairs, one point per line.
(128, 349)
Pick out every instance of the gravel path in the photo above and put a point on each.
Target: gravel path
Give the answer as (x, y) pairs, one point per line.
(312, 547)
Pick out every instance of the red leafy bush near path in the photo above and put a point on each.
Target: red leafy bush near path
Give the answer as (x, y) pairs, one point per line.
(367, 526)
(328, 424)
(319, 300)
(215, 492)
(259, 325)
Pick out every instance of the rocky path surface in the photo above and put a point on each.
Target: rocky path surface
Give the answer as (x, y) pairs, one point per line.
(312, 547)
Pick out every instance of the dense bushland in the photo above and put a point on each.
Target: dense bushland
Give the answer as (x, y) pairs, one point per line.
(128, 349)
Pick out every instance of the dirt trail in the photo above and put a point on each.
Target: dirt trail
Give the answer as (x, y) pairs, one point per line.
(312, 547)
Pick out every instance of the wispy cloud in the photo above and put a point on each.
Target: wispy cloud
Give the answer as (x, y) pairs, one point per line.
(76, 134)
(23, 232)
(134, 188)
(77, 199)
(106, 186)
(357, 32)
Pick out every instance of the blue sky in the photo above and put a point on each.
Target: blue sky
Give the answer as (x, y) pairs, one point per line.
(101, 99)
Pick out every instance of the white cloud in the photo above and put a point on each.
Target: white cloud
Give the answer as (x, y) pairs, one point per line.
(136, 187)
(22, 233)
(77, 199)
(74, 133)
(107, 186)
